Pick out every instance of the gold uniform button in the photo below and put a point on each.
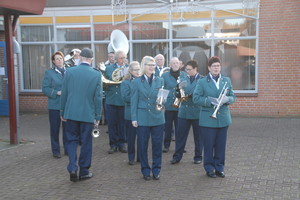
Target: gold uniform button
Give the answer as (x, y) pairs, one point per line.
(148, 110)
(116, 92)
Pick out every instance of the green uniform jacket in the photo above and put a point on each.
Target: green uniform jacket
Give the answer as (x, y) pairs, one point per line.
(143, 101)
(205, 88)
(125, 92)
(52, 83)
(187, 109)
(81, 98)
(112, 92)
(170, 84)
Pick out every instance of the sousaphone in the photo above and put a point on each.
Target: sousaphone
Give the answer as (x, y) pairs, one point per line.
(118, 41)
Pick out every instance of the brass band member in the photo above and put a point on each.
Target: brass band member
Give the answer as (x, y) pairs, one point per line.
(51, 87)
(188, 116)
(171, 79)
(115, 107)
(131, 132)
(214, 128)
(81, 103)
(148, 120)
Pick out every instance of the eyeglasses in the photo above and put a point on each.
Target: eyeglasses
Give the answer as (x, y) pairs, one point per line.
(151, 65)
(136, 70)
(188, 70)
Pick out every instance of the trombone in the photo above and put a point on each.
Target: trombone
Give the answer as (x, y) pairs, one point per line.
(220, 98)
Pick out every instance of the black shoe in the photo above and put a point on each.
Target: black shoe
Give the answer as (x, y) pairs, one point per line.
(147, 178)
(123, 149)
(73, 176)
(220, 174)
(112, 150)
(174, 161)
(57, 156)
(131, 162)
(156, 177)
(211, 174)
(166, 150)
(197, 162)
(85, 177)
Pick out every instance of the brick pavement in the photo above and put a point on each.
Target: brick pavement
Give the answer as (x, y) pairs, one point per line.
(263, 162)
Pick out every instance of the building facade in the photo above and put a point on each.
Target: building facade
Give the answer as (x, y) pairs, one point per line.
(258, 42)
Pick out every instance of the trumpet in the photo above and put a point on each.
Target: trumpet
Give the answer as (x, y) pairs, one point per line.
(220, 98)
(96, 131)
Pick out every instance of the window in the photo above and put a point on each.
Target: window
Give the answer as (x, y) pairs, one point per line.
(74, 33)
(198, 51)
(150, 49)
(36, 59)
(36, 33)
(192, 29)
(238, 62)
(150, 30)
(103, 31)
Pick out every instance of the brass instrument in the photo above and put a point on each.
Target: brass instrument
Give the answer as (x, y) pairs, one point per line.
(161, 99)
(101, 67)
(118, 41)
(96, 131)
(183, 97)
(220, 98)
(160, 104)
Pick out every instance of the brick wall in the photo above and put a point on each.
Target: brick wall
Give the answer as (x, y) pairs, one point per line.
(33, 103)
(278, 64)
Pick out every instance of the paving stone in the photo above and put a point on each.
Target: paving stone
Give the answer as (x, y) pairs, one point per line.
(262, 162)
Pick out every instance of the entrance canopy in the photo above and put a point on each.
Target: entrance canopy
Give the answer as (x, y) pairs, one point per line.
(22, 7)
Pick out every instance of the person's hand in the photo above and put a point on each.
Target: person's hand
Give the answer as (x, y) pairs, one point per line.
(134, 124)
(225, 100)
(63, 119)
(213, 101)
(96, 122)
(58, 93)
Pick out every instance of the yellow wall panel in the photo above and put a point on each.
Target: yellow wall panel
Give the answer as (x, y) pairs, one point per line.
(36, 20)
(221, 13)
(108, 18)
(73, 19)
(150, 17)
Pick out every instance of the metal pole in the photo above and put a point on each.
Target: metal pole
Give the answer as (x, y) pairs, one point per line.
(11, 79)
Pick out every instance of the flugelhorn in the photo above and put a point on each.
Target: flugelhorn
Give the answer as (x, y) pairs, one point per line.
(96, 131)
(220, 98)
(161, 98)
(178, 101)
